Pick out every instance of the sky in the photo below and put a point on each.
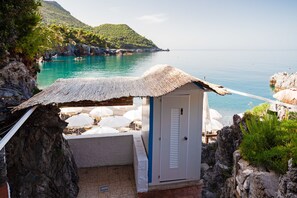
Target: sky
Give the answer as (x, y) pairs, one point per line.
(198, 24)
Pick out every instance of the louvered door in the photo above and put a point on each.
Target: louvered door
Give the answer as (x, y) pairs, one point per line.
(174, 137)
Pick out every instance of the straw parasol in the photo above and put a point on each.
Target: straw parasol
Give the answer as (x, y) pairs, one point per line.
(287, 96)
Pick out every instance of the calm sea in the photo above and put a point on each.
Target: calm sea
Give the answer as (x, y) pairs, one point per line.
(242, 70)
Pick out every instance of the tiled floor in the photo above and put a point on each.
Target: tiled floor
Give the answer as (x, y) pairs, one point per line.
(117, 181)
(185, 192)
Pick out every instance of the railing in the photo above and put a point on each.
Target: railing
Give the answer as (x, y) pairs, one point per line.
(16, 127)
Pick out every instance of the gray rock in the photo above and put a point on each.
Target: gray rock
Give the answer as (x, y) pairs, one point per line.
(16, 86)
(39, 159)
(204, 167)
(263, 184)
(283, 80)
(288, 184)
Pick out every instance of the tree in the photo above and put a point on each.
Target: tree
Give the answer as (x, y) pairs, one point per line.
(17, 21)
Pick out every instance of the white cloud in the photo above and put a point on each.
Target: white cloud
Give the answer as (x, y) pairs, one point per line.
(153, 18)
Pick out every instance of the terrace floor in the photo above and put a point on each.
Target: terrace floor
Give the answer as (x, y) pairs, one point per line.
(107, 182)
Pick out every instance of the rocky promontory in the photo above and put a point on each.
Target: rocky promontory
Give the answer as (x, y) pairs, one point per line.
(283, 80)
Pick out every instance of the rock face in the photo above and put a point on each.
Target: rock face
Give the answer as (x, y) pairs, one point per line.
(288, 183)
(283, 80)
(39, 160)
(16, 86)
(248, 181)
(219, 158)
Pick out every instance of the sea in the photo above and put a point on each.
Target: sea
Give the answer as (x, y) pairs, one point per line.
(242, 70)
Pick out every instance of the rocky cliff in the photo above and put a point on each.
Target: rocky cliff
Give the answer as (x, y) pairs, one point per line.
(39, 161)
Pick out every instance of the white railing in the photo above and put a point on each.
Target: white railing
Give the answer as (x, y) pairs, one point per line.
(16, 127)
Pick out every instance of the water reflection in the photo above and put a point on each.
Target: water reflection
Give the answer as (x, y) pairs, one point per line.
(91, 66)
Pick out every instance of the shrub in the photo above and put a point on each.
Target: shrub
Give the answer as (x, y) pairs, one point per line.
(269, 142)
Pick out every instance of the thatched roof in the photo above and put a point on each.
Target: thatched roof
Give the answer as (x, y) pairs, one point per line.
(157, 81)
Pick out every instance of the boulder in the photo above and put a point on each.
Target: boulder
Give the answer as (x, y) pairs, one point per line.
(288, 183)
(219, 157)
(283, 80)
(263, 184)
(16, 86)
(39, 159)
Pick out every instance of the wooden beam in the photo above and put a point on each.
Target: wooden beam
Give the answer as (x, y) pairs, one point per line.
(113, 102)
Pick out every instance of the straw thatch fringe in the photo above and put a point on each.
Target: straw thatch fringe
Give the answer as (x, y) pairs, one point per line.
(158, 81)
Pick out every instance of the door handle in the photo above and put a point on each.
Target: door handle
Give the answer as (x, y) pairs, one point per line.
(185, 138)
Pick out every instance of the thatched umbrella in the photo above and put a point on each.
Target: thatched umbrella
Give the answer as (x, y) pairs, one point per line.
(287, 96)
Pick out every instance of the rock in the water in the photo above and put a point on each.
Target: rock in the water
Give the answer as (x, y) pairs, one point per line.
(283, 80)
(40, 162)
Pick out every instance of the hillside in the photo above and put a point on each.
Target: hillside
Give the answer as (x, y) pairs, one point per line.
(54, 13)
(116, 35)
(122, 36)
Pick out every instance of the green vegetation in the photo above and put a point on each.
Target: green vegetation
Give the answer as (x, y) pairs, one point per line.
(269, 143)
(259, 110)
(78, 35)
(54, 13)
(122, 36)
(18, 20)
(116, 36)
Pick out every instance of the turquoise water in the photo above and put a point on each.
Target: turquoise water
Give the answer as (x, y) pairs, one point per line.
(242, 70)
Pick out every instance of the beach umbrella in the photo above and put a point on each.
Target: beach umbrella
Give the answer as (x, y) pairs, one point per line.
(99, 112)
(287, 96)
(115, 122)
(133, 115)
(80, 120)
(71, 110)
(216, 125)
(214, 114)
(206, 124)
(100, 130)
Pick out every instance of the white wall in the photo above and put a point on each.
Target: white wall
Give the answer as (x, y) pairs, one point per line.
(140, 164)
(102, 150)
(195, 133)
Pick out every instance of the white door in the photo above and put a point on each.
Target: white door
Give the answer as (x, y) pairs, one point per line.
(174, 137)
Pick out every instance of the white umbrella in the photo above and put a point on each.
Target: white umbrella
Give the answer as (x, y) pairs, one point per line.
(115, 122)
(288, 96)
(81, 120)
(133, 115)
(99, 112)
(216, 125)
(100, 130)
(71, 110)
(206, 125)
(214, 114)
